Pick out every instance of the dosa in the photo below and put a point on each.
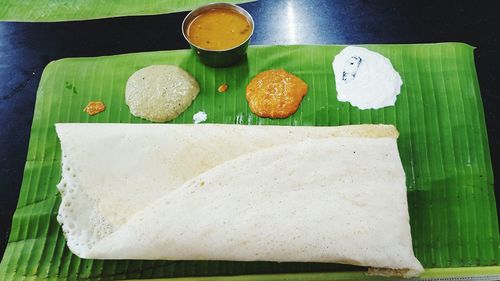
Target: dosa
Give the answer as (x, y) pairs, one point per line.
(233, 192)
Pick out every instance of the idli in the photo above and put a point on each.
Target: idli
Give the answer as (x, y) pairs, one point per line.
(160, 93)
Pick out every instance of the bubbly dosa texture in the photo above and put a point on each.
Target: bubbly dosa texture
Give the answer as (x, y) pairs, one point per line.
(322, 194)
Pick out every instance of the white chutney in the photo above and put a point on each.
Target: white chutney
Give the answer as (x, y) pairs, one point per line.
(365, 79)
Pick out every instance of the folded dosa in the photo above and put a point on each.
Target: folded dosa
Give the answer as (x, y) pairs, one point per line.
(232, 192)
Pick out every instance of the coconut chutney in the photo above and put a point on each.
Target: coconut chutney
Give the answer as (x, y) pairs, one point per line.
(365, 79)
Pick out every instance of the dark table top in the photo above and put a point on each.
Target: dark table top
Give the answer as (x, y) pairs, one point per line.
(26, 48)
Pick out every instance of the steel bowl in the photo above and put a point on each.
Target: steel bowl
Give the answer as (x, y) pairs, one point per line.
(218, 58)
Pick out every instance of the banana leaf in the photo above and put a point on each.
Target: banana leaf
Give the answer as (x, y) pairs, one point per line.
(443, 146)
(69, 10)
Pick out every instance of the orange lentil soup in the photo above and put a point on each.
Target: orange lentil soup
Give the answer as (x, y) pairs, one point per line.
(219, 29)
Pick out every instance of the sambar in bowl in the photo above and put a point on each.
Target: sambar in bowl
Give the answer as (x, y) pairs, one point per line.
(219, 33)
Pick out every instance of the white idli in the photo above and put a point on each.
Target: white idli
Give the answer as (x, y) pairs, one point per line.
(160, 93)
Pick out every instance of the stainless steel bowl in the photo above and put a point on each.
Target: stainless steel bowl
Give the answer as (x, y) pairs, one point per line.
(218, 58)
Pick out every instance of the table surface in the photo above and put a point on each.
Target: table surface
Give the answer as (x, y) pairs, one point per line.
(26, 48)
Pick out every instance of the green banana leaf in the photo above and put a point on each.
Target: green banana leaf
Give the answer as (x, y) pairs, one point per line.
(443, 146)
(68, 10)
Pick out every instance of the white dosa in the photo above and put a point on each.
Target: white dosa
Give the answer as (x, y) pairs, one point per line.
(232, 192)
